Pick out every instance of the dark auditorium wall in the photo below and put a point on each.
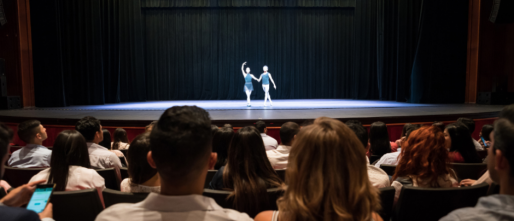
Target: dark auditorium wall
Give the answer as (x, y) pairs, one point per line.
(108, 51)
(9, 48)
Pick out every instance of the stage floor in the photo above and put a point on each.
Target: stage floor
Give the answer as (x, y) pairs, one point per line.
(140, 113)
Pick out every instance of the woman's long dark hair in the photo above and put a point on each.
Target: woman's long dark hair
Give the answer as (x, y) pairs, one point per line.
(248, 172)
(106, 142)
(70, 149)
(220, 143)
(379, 139)
(120, 135)
(462, 142)
(138, 168)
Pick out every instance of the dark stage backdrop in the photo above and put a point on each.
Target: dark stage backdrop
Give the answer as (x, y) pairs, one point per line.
(105, 51)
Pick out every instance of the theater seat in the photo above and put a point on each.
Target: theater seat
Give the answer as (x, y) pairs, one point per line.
(469, 170)
(123, 161)
(373, 159)
(281, 174)
(124, 151)
(388, 168)
(80, 205)
(110, 178)
(210, 175)
(19, 176)
(220, 196)
(428, 204)
(112, 197)
(386, 201)
(124, 173)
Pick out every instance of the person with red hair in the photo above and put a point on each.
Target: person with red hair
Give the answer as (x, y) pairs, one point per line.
(425, 162)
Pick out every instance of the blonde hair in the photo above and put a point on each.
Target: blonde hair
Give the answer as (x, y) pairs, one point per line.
(327, 176)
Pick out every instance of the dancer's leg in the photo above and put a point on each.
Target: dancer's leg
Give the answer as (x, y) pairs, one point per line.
(248, 93)
(266, 95)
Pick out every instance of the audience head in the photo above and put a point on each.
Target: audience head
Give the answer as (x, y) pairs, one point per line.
(415, 127)
(120, 135)
(32, 131)
(248, 171)
(360, 132)
(379, 139)
(220, 143)
(214, 129)
(288, 132)
(486, 131)
(70, 149)
(334, 185)
(90, 128)
(424, 156)
(500, 159)
(229, 126)
(459, 139)
(181, 147)
(307, 122)
(440, 125)
(138, 168)
(6, 135)
(353, 122)
(261, 126)
(149, 127)
(106, 142)
(470, 123)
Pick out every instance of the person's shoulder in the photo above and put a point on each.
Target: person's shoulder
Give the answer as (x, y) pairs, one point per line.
(264, 216)
(236, 215)
(118, 211)
(17, 214)
(469, 213)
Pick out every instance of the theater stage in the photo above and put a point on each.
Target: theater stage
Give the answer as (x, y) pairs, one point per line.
(137, 114)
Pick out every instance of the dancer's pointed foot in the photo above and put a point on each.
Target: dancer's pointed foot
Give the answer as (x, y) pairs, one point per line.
(248, 105)
(270, 103)
(265, 105)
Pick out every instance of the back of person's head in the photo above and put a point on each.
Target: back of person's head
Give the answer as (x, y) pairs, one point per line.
(229, 126)
(307, 122)
(214, 128)
(138, 168)
(181, 144)
(261, 126)
(6, 135)
(334, 185)
(424, 156)
(486, 131)
(149, 127)
(462, 142)
(28, 130)
(88, 127)
(120, 135)
(440, 125)
(358, 122)
(470, 123)
(248, 171)
(106, 142)
(415, 127)
(70, 149)
(288, 131)
(503, 142)
(220, 143)
(360, 132)
(379, 139)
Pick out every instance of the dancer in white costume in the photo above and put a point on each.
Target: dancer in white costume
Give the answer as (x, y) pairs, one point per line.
(266, 77)
(248, 83)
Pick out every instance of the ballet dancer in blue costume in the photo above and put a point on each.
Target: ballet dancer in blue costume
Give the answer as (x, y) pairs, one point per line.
(266, 77)
(248, 83)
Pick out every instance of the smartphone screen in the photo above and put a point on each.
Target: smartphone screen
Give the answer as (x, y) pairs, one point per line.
(40, 198)
(483, 141)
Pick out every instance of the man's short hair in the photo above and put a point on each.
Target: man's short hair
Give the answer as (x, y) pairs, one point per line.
(358, 122)
(360, 131)
(88, 126)
(288, 131)
(150, 125)
(470, 124)
(504, 140)
(6, 135)
(181, 143)
(27, 130)
(260, 125)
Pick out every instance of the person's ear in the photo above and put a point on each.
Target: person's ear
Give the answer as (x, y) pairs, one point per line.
(150, 160)
(212, 160)
(501, 164)
(265, 130)
(39, 136)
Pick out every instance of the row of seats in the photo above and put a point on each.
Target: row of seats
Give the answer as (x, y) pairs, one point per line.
(463, 170)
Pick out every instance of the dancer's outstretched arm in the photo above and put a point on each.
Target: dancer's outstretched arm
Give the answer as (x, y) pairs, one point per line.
(260, 77)
(243, 69)
(272, 81)
(254, 77)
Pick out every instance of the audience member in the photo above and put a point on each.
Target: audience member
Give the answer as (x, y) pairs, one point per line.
(100, 157)
(229, 126)
(425, 161)
(11, 204)
(220, 143)
(180, 150)
(120, 140)
(248, 173)
(460, 144)
(69, 166)
(149, 127)
(470, 124)
(393, 158)
(484, 178)
(333, 185)
(142, 177)
(377, 176)
(440, 125)
(484, 133)
(33, 154)
(269, 142)
(379, 140)
(106, 142)
(406, 128)
(307, 122)
(278, 157)
(500, 163)
(214, 128)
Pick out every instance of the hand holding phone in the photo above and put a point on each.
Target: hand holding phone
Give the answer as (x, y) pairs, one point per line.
(20, 195)
(40, 197)
(483, 141)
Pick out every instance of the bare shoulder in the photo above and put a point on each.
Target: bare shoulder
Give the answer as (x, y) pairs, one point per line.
(376, 217)
(264, 216)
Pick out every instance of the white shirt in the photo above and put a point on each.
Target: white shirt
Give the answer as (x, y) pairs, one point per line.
(477, 145)
(121, 146)
(101, 157)
(389, 158)
(157, 207)
(278, 158)
(79, 178)
(31, 156)
(377, 176)
(126, 186)
(269, 142)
